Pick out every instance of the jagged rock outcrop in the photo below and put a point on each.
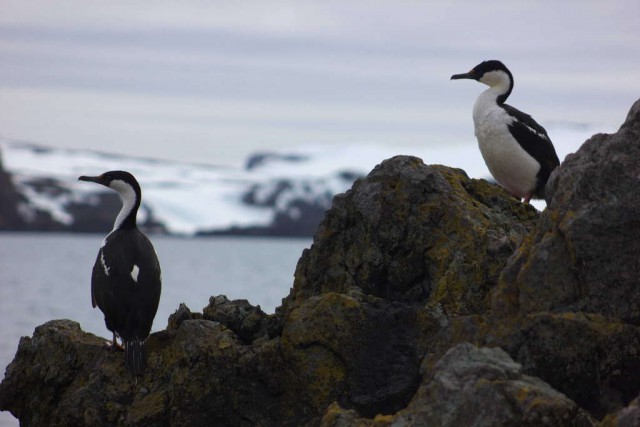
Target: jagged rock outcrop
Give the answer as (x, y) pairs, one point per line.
(414, 233)
(584, 253)
(407, 268)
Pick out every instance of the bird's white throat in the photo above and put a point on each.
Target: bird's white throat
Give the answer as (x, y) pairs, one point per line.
(129, 199)
(498, 80)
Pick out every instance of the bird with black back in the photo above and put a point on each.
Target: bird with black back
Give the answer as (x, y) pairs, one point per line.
(126, 279)
(516, 149)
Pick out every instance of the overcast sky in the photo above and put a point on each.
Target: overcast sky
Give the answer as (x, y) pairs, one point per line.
(213, 81)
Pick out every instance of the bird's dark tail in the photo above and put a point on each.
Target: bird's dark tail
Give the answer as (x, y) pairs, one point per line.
(134, 356)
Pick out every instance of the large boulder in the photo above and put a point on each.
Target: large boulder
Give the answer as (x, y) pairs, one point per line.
(583, 255)
(565, 306)
(590, 358)
(481, 387)
(398, 255)
(414, 233)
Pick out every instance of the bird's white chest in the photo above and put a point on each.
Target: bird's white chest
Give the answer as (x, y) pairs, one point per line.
(507, 161)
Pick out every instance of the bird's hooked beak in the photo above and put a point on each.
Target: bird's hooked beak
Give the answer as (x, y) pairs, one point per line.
(97, 179)
(470, 75)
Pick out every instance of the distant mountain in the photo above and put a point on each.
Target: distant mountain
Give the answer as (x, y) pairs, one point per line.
(276, 194)
(9, 202)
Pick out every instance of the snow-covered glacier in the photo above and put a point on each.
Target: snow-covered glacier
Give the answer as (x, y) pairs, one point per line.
(278, 193)
(178, 198)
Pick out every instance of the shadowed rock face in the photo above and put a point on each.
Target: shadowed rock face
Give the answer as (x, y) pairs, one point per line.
(410, 266)
(583, 255)
(483, 387)
(414, 233)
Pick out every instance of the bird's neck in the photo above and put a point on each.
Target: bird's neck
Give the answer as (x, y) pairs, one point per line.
(486, 103)
(127, 216)
(498, 93)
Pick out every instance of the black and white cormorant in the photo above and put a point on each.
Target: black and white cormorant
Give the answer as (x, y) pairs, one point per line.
(516, 149)
(126, 281)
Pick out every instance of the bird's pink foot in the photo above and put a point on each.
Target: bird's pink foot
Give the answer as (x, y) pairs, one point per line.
(113, 344)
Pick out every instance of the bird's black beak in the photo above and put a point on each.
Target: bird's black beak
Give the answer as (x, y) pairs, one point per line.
(97, 179)
(470, 75)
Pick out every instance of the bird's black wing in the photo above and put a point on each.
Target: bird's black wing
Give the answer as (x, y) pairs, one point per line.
(534, 140)
(111, 282)
(148, 287)
(129, 305)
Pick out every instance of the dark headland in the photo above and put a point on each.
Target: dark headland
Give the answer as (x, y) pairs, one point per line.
(427, 298)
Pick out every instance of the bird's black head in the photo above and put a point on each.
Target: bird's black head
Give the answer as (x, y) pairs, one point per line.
(482, 69)
(129, 190)
(493, 73)
(117, 180)
(108, 177)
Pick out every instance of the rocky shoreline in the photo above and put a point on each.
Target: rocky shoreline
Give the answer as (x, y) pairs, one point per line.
(427, 298)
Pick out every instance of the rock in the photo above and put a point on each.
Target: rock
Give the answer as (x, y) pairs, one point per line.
(583, 255)
(197, 375)
(364, 353)
(472, 386)
(50, 362)
(415, 233)
(246, 321)
(627, 417)
(180, 315)
(590, 358)
(355, 324)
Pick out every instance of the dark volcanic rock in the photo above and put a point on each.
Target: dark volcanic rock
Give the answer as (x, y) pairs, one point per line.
(584, 254)
(409, 263)
(565, 306)
(485, 387)
(480, 387)
(416, 233)
(627, 417)
(391, 261)
(363, 352)
(246, 321)
(590, 358)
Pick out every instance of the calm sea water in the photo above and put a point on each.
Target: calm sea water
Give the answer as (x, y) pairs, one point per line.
(47, 276)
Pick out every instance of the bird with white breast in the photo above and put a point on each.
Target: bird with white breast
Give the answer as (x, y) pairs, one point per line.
(516, 149)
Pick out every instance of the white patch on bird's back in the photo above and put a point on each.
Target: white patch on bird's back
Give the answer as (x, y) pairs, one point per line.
(508, 162)
(532, 130)
(104, 242)
(128, 196)
(105, 267)
(134, 273)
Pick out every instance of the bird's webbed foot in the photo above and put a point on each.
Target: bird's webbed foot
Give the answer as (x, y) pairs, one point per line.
(113, 344)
